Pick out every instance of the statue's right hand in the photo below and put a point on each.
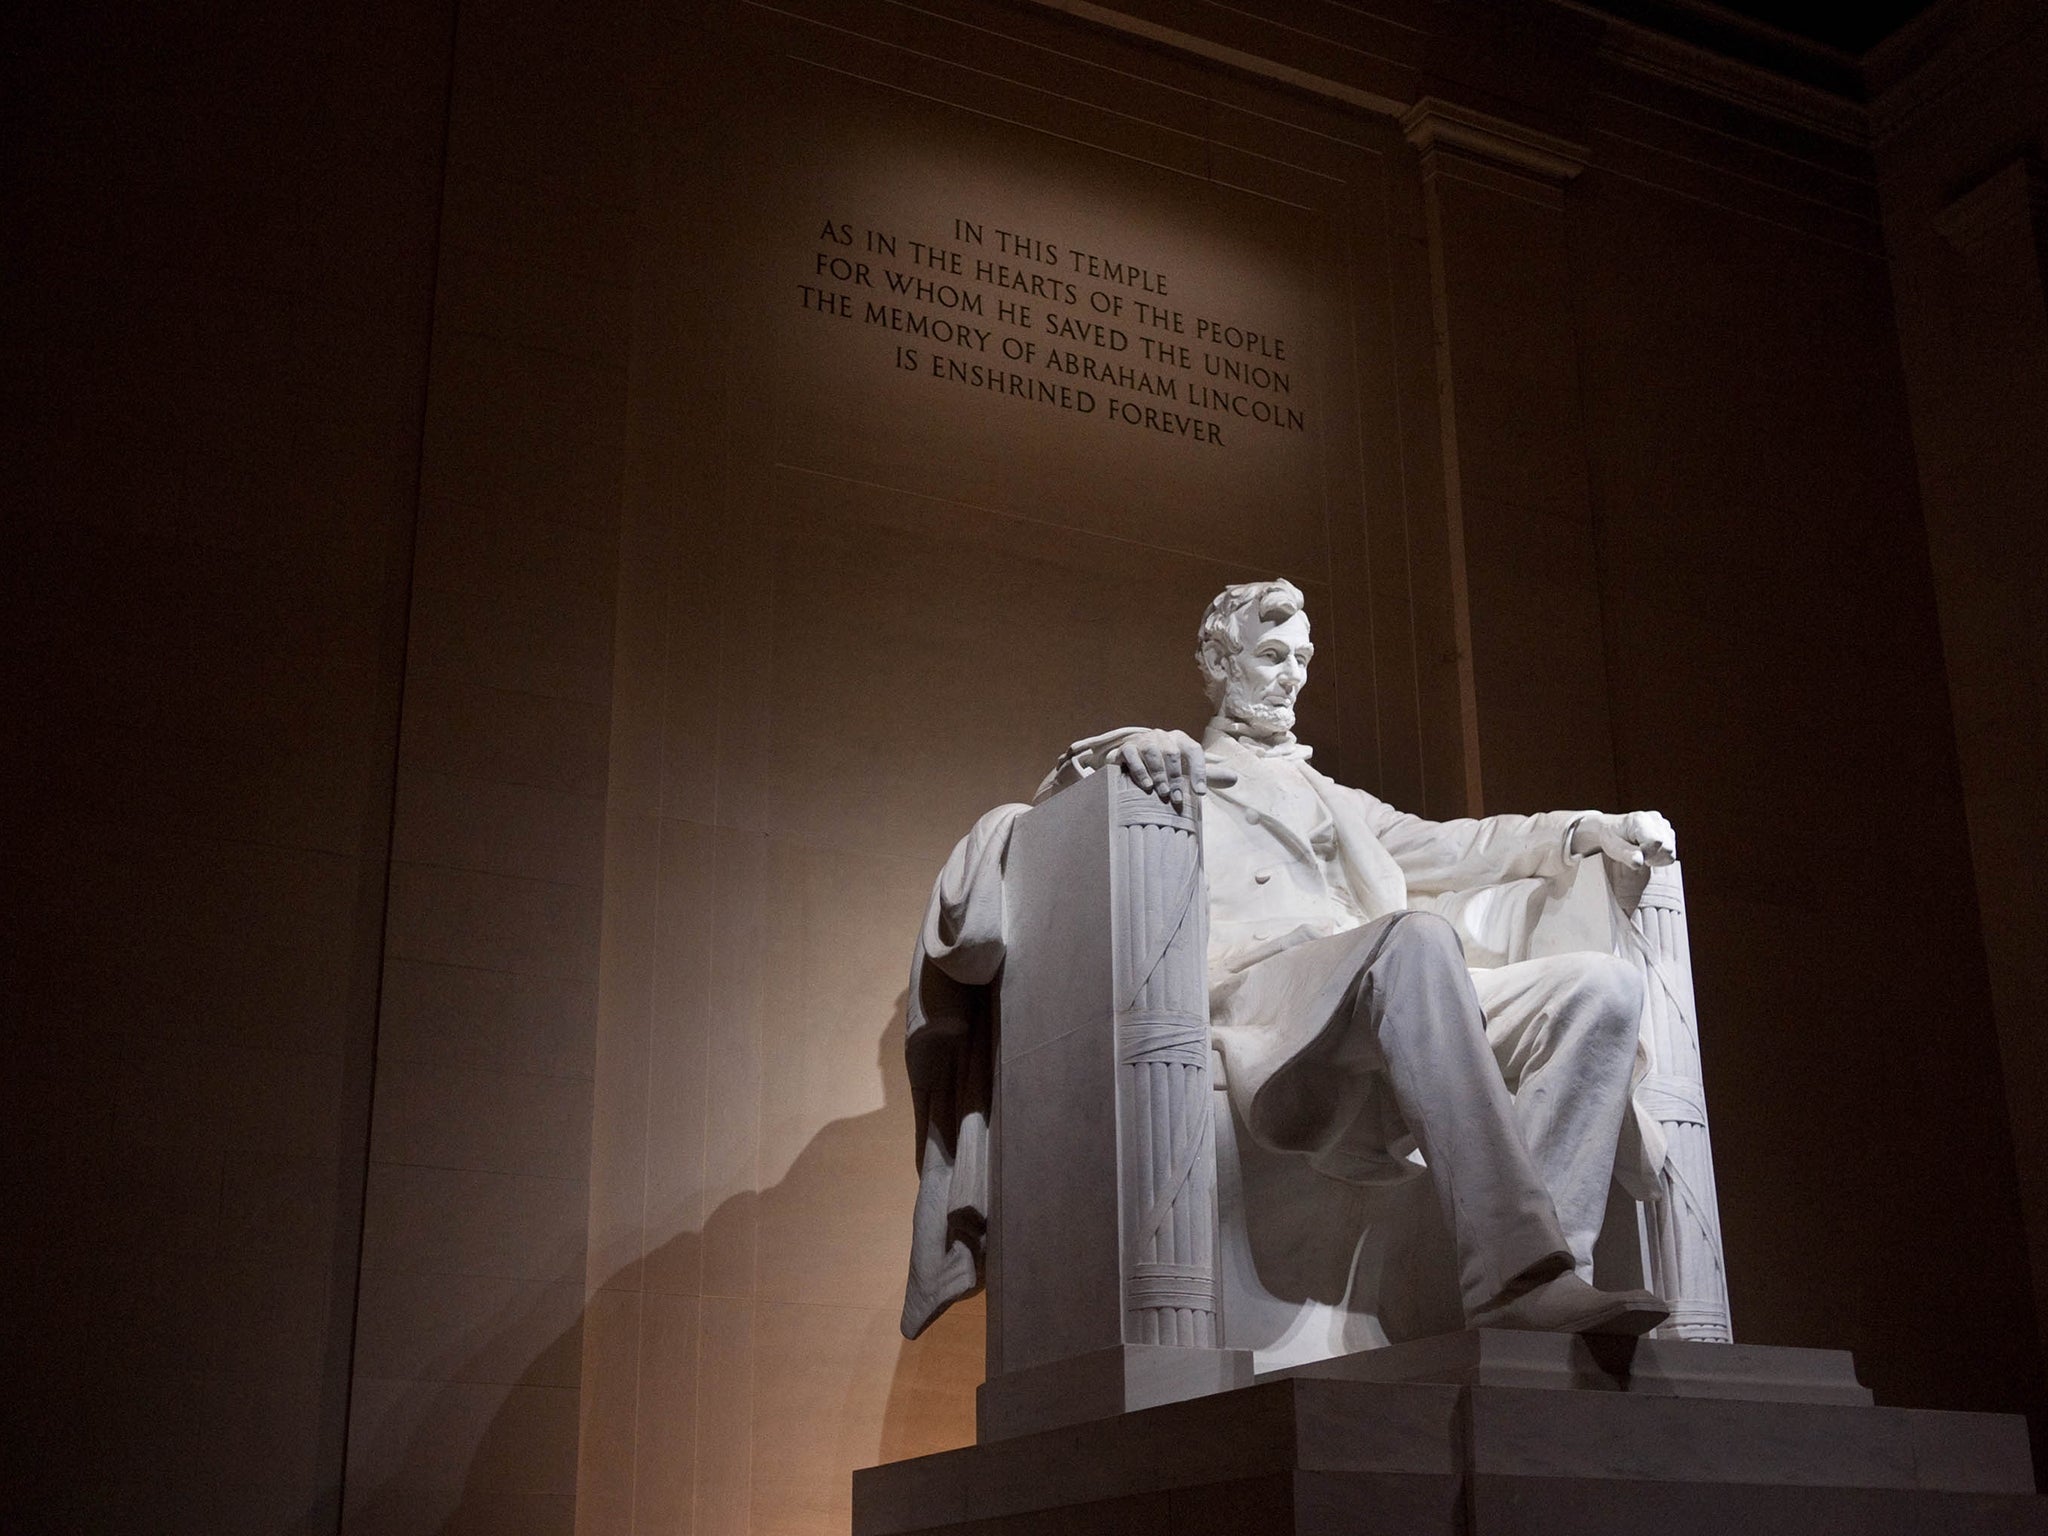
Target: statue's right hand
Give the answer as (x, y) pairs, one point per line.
(1170, 765)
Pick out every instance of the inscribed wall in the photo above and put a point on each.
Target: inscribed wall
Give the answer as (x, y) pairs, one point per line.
(943, 434)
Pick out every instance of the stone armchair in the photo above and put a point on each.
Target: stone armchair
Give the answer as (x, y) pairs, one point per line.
(1132, 1253)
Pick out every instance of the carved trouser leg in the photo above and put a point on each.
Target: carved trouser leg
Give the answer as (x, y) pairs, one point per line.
(1403, 1051)
(1407, 1050)
(1563, 1031)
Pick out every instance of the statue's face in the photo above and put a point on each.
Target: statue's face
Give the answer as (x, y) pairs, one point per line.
(1262, 681)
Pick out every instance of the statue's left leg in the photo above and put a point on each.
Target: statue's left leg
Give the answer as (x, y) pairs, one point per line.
(1564, 1031)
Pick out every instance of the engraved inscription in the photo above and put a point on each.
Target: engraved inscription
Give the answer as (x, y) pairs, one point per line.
(1027, 318)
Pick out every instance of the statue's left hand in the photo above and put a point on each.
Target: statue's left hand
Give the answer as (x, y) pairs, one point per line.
(1170, 765)
(1637, 839)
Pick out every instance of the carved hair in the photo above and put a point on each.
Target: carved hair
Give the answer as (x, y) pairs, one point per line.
(1222, 633)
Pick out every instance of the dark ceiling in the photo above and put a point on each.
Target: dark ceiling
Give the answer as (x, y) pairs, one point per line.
(1853, 26)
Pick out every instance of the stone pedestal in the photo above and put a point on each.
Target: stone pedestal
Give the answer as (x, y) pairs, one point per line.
(1501, 1357)
(1492, 1434)
(1083, 1389)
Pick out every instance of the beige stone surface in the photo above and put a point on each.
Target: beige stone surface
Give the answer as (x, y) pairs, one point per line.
(1962, 206)
(440, 552)
(844, 628)
(816, 688)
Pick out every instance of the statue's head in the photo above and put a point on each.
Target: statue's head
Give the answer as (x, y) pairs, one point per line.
(1253, 649)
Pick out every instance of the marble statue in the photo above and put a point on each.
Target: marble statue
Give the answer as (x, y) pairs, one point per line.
(1363, 996)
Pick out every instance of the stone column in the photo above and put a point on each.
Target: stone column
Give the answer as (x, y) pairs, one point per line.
(1524, 587)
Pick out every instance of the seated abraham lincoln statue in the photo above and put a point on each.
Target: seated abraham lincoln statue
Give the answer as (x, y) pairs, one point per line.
(1352, 1024)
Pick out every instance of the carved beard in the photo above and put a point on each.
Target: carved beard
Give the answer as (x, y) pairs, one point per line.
(1268, 717)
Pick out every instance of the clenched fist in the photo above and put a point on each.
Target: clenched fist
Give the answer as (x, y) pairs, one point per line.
(1638, 839)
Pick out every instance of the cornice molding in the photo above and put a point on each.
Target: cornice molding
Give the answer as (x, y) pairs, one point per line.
(1934, 54)
(1632, 45)
(1433, 125)
(1889, 68)
(1751, 87)
(1221, 53)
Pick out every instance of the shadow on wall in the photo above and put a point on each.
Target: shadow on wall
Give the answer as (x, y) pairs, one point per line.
(517, 1469)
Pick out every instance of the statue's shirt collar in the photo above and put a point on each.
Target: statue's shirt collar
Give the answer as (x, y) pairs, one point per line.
(1224, 729)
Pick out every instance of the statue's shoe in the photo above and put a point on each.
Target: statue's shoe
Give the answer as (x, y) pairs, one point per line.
(1566, 1304)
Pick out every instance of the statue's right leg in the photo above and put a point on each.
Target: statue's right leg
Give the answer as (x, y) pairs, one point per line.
(1514, 1269)
(1414, 1003)
(1342, 1047)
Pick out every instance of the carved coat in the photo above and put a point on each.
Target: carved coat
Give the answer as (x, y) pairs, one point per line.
(948, 1040)
(1292, 855)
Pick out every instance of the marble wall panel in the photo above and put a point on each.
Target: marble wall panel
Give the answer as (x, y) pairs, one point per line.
(450, 1014)
(192, 942)
(609, 1402)
(464, 1221)
(1969, 263)
(479, 640)
(467, 1393)
(431, 1324)
(906, 619)
(737, 979)
(1523, 565)
(506, 923)
(460, 727)
(1542, 692)
(692, 886)
(824, 1389)
(479, 454)
(723, 1456)
(633, 763)
(618, 1149)
(672, 1366)
(522, 830)
(461, 1456)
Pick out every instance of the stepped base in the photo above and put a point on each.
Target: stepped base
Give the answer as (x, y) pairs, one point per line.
(1670, 1449)
(1085, 1388)
(1502, 1357)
